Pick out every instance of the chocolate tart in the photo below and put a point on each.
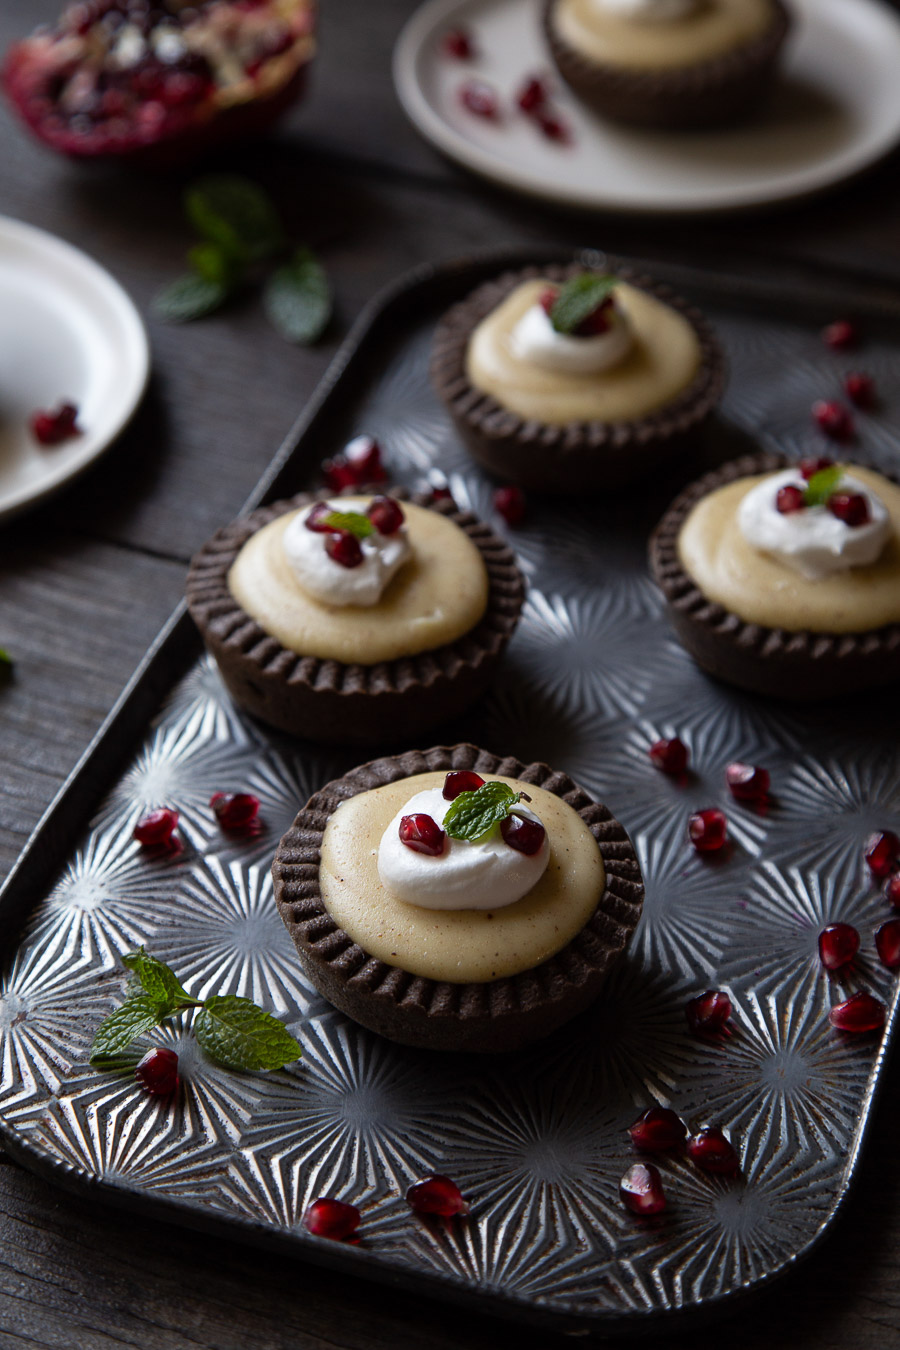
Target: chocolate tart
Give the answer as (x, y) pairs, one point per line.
(496, 1015)
(352, 704)
(575, 456)
(800, 666)
(707, 93)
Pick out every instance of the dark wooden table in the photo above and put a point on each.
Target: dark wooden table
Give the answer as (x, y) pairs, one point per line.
(87, 580)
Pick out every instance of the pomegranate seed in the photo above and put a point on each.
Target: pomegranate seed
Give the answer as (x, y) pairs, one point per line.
(458, 44)
(437, 1195)
(892, 890)
(713, 1152)
(441, 494)
(841, 335)
(385, 514)
(157, 827)
(532, 95)
(838, 944)
(548, 298)
(525, 836)
(790, 499)
(641, 1189)
(860, 389)
(51, 428)
(882, 853)
(315, 521)
(598, 321)
(344, 548)
(478, 97)
(461, 780)
(808, 467)
(850, 507)
(670, 756)
(157, 1072)
(331, 1219)
(858, 1013)
(422, 834)
(509, 502)
(555, 129)
(834, 419)
(359, 464)
(707, 1013)
(235, 810)
(748, 782)
(658, 1130)
(887, 943)
(708, 829)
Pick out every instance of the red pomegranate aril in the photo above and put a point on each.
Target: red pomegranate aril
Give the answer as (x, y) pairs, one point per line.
(52, 428)
(747, 782)
(882, 853)
(532, 95)
(359, 464)
(385, 514)
(838, 944)
(658, 1130)
(887, 943)
(841, 335)
(710, 1150)
(670, 756)
(315, 521)
(809, 467)
(235, 810)
(157, 1072)
(892, 890)
(789, 499)
(458, 44)
(344, 548)
(708, 1013)
(834, 419)
(641, 1190)
(525, 836)
(599, 320)
(461, 780)
(437, 1195)
(509, 502)
(422, 834)
(548, 298)
(480, 98)
(331, 1218)
(157, 827)
(441, 494)
(860, 389)
(850, 507)
(555, 129)
(708, 830)
(859, 1013)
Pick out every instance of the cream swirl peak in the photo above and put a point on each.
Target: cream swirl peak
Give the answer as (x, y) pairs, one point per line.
(534, 339)
(380, 554)
(649, 11)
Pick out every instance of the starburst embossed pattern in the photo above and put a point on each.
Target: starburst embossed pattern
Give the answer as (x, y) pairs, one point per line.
(537, 1141)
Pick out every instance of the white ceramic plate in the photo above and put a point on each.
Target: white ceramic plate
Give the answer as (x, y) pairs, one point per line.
(835, 111)
(68, 332)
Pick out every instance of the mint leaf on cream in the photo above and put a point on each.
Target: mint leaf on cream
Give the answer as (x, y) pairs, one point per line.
(472, 815)
(353, 522)
(822, 485)
(579, 297)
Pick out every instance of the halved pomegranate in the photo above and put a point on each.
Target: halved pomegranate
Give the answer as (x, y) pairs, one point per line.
(116, 78)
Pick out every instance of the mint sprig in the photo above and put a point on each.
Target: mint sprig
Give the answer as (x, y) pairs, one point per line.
(473, 815)
(297, 299)
(236, 215)
(232, 1030)
(822, 484)
(189, 297)
(353, 522)
(579, 297)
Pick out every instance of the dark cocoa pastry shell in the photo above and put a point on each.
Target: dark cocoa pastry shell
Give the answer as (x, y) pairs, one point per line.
(707, 94)
(800, 666)
(577, 456)
(350, 704)
(484, 1018)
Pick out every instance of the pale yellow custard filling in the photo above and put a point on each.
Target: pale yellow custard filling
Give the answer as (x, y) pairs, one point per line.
(439, 594)
(663, 361)
(713, 29)
(760, 589)
(459, 945)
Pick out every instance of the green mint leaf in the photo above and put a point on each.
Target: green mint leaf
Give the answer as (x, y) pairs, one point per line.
(578, 298)
(5, 658)
(190, 297)
(352, 521)
(213, 264)
(297, 299)
(239, 1035)
(822, 485)
(236, 215)
(474, 814)
(116, 1032)
(158, 982)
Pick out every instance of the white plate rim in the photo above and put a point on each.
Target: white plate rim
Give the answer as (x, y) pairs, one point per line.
(434, 14)
(45, 246)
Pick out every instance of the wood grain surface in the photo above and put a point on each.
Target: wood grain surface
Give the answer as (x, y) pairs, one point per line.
(87, 580)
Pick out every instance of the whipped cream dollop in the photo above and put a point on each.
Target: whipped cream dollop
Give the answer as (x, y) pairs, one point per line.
(329, 581)
(484, 875)
(647, 10)
(813, 542)
(535, 340)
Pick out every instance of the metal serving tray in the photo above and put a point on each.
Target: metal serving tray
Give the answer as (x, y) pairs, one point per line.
(536, 1140)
